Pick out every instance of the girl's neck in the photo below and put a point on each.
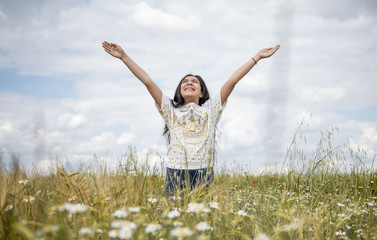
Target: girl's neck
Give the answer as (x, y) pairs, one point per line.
(187, 101)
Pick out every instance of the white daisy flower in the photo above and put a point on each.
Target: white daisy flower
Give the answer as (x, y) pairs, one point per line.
(181, 232)
(173, 214)
(262, 236)
(340, 233)
(123, 224)
(176, 198)
(120, 213)
(206, 210)
(8, 208)
(86, 231)
(177, 223)
(29, 199)
(203, 226)
(214, 205)
(195, 207)
(75, 208)
(134, 209)
(23, 181)
(241, 213)
(122, 233)
(153, 228)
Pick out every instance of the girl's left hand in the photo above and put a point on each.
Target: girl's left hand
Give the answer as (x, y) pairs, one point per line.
(268, 52)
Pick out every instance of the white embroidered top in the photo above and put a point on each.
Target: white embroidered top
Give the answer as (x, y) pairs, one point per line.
(192, 132)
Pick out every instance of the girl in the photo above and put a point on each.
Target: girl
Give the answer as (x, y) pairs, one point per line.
(191, 118)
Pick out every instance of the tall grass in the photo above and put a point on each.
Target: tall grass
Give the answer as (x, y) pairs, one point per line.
(329, 194)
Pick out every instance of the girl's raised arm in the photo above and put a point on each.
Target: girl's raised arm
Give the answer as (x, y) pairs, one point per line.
(229, 85)
(116, 51)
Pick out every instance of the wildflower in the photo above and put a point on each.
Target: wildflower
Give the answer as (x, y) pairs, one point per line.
(50, 193)
(123, 224)
(75, 208)
(134, 209)
(99, 231)
(341, 215)
(239, 200)
(176, 198)
(122, 229)
(86, 231)
(29, 199)
(181, 232)
(203, 226)
(60, 208)
(177, 223)
(23, 181)
(8, 208)
(370, 204)
(120, 213)
(262, 236)
(214, 205)
(273, 179)
(152, 200)
(206, 210)
(173, 214)
(122, 233)
(195, 207)
(71, 199)
(108, 199)
(153, 228)
(340, 205)
(242, 213)
(114, 233)
(47, 229)
(340, 233)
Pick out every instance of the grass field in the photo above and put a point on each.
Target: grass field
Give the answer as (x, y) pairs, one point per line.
(318, 196)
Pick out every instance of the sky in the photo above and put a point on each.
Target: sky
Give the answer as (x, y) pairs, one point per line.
(63, 98)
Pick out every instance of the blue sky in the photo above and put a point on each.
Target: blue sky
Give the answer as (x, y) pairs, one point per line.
(63, 97)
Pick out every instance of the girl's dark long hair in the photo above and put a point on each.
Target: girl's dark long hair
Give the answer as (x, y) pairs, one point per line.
(178, 100)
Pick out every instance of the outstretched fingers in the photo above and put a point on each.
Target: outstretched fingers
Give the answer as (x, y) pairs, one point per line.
(275, 48)
(106, 45)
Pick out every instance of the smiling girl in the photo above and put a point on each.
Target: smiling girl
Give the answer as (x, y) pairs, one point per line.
(191, 118)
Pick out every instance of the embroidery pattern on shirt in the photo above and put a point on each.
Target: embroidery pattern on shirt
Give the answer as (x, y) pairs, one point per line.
(191, 126)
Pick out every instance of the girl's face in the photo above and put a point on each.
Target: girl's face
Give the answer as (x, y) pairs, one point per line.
(191, 90)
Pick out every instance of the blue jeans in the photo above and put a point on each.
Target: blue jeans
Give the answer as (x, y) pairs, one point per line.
(180, 178)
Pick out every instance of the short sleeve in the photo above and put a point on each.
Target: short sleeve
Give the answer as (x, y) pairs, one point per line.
(217, 108)
(166, 108)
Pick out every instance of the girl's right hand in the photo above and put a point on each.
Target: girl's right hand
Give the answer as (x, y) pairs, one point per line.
(113, 49)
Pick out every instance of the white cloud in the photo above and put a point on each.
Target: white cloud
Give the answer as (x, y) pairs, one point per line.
(7, 126)
(98, 144)
(369, 134)
(322, 94)
(145, 15)
(126, 139)
(72, 122)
